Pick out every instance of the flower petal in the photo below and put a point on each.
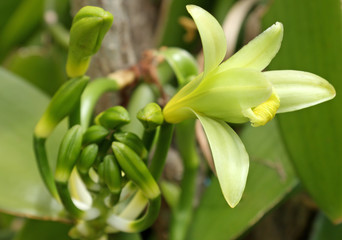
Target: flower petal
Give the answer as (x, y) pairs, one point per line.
(297, 89)
(230, 158)
(212, 37)
(227, 94)
(259, 52)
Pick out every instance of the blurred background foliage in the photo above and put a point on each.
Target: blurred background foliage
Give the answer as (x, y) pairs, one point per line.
(294, 186)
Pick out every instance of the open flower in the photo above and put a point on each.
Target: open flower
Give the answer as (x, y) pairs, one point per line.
(237, 91)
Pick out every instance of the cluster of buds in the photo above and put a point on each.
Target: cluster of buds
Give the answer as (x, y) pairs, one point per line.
(100, 170)
(101, 176)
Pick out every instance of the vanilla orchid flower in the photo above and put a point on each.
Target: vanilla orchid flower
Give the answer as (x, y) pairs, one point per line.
(237, 91)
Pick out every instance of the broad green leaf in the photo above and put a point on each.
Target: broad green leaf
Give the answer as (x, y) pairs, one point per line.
(259, 52)
(270, 178)
(297, 89)
(36, 230)
(312, 42)
(21, 189)
(323, 229)
(212, 37)
(230, 158)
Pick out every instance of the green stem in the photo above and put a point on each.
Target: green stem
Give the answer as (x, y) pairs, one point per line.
(183, 211)
(163, 145)
(148, 138)
(43, 165)
(91, 95)
(67, 202)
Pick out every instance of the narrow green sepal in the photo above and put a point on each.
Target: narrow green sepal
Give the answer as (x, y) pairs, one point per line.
(87, 32)
(95, 134)
(68, 154)
(136, 170)
(112, 118)
(61, 105)
(151, 116)
(132, 141)
(87, 158)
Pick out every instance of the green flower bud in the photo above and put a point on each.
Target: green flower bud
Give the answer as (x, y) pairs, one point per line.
(87, 32)
(112, 118)
(69, 152)
(132, 141)
(87, 158)
(151, 116)
(136, 170)
(100, 172)
(112, 174)
(61, 105)
(95, 134)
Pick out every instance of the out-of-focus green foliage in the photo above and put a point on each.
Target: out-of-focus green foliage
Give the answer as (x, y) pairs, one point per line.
(26, 18)
(21, 188)
(39, 230)
(312, 42)
(48, 66)
(323, 229)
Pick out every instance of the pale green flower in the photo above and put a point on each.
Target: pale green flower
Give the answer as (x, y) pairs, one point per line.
(237, 91)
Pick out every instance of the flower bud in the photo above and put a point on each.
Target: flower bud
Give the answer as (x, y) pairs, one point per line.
(87, 32)
(69, 151)
(136, 170)
(151, 116)
(95, 134)
(112, 174)
(61, 105)
(132, 141)
(87, 158)
(112, 118)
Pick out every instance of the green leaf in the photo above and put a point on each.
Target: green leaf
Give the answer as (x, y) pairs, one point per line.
(230, 158)
(312, 42)
(21, 189)
(323, 229)
(270, 178)
(212, 37)
(34, 230)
